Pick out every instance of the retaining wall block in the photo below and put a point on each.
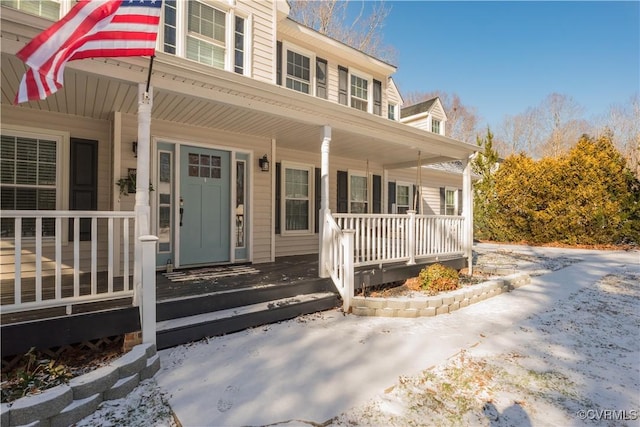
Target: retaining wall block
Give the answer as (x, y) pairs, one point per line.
(434, 302)
(454, 306)
(443, 309)
(149, 348)
(418, 303)
(447, 300)
(474, 299)
(458, 295)
(374, 302)
(153, 366)
(506, 288)
(398, 303)
(428, 312)
(468, 293)
(123, 387)
(132, 362)
(40, 406)
(408, 312)
(364, 311)
(464, 303)
(4, 414)
(386, 312)
(93, 382)
(39, 423)
(76, 411)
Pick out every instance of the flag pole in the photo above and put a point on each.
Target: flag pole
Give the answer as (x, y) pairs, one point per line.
(142, 208)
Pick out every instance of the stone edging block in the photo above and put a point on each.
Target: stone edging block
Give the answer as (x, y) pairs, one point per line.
(439, 304)
(69, 403)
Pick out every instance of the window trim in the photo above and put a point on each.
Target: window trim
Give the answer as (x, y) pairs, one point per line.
(410, 195)
(288, 46)
(310, 169)
(438, 123)
(392, 107)
(361, 174)
(369, 79)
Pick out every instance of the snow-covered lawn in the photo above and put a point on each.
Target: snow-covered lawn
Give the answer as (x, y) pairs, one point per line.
(566, 343)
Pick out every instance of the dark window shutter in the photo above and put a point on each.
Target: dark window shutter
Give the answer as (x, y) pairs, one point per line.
(459, 202)
(343, 85)
(377, 97)
(343, 195)
(279, 63)
(318, 197)
(321, 78)
(391, 190)
(83, 182)
(415, 199)
(442, 201)
(377, 194)
(277, 198)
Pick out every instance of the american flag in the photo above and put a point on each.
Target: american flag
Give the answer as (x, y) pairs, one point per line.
(91, 29)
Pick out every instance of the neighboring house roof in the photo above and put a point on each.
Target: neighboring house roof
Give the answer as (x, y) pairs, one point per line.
(454, 167)
(421, 107)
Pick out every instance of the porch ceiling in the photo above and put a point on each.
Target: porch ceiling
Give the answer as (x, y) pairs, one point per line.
(192, 94)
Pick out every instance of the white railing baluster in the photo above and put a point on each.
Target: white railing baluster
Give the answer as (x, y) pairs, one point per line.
(38, 259)
(94, 256)
(76, 256)
(125, 266)
(58, 279)
(110, 250)
(17, 262)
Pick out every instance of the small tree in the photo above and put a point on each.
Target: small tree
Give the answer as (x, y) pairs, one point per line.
(484, 197)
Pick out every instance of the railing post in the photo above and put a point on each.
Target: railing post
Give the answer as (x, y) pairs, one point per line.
(411, 237)
(148, 302)
(348, 279)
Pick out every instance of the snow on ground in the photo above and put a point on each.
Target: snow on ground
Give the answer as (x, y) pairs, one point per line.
(566, 343)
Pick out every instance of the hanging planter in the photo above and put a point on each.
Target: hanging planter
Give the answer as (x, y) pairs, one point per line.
(128, 184)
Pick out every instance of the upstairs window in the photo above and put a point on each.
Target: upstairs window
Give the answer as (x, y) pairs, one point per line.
(391, 113)
(359, 93)
(435, 126)
(206, 34)
(298, 72)
(49, 9)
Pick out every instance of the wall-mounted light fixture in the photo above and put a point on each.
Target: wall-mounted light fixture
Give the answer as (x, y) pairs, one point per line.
(134, 148)
(264, 163)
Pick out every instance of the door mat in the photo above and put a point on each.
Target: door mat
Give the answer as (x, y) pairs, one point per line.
(209, 273)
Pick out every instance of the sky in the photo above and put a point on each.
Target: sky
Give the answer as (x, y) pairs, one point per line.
(504, 57)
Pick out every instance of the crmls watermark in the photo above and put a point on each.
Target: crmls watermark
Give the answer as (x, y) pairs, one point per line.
(608, 414)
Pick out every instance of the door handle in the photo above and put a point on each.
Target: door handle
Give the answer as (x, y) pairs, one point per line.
(181, 210)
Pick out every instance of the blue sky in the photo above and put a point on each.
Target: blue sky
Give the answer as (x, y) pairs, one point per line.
(503, 57)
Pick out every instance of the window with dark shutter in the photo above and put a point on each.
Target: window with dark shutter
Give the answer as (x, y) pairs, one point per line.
(442, 201)
(83, 182)
(279, 63)
(459, 201)
(377, 194)
(343, 192)
(391, 195)
(377, 97)
(343, 85)
(277, 198)
(318, 199)
(321, 78)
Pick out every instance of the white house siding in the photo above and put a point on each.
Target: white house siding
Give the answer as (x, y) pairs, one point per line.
(392, 96)
(263, 30)
(78, 127)
(201, 136)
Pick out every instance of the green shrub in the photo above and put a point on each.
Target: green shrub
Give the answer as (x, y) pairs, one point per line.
(438, 278)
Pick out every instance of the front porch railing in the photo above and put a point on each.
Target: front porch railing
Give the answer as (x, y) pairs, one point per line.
(44, 243)
(354, 240)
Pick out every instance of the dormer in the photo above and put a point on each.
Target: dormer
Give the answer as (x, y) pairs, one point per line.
(427, 115)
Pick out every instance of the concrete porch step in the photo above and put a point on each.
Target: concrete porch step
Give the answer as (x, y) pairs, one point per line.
(182, 330)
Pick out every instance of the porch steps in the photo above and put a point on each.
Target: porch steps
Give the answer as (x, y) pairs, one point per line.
(190, 318)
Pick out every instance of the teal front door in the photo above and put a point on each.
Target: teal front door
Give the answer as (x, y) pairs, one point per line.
(204, 205)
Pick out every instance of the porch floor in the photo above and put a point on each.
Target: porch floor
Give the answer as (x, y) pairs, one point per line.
(181, 283)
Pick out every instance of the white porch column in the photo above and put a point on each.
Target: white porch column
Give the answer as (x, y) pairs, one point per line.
(148, 245)
(142, 209)
(467, 212)
(324, 201)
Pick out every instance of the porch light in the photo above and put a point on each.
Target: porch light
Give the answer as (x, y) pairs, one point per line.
(134, 148)
(264, 163)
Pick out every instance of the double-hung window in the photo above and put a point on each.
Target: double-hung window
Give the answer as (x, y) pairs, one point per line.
(359, 93)
(298, 72)
(298, 195)
(49, 9)
(403, 198)
(435, 126)
(214, 36)
(30, 178)
(391, 113)
(450, 199)
(358, 193)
